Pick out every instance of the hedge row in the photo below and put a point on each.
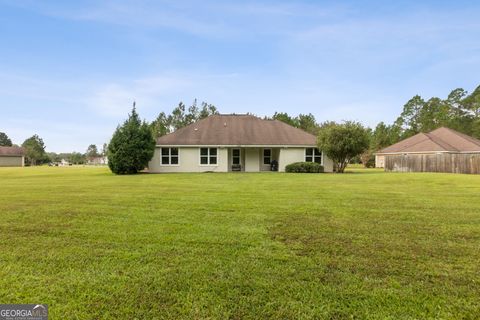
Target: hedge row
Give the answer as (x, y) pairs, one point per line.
(304, 167)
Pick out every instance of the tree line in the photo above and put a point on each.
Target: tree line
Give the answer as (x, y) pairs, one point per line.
(180, 116)
(460, 110)
(36, 154)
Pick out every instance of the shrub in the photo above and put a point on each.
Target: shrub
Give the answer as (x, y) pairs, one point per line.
(368, 159)
(304, 167)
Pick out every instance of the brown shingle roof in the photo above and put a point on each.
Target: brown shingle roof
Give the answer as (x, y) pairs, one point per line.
(11, 151)
(238, 130)
(439, 140)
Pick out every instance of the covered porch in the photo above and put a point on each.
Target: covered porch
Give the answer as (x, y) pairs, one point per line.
(253, 159)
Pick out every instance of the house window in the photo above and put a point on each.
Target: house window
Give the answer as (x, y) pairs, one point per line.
(313, 155)
(169, 156)
(235, 156)
(267, 156)
(208, 156)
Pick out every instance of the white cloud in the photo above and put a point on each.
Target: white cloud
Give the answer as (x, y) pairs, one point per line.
(153, 93)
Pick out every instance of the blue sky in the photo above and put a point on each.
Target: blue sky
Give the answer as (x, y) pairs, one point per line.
(69, 71)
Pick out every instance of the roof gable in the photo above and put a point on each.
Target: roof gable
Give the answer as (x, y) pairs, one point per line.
(237, 130)
(11, 151)
(439, 140)
(461, 141)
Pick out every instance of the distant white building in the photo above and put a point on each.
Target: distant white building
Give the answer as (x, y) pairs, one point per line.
(96, 161)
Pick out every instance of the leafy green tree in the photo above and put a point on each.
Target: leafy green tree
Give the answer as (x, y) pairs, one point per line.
(459, 111)
(92, 152)
(455, 101)
(307, 123)
(409, 119)
(207, 110)
(434, 114)
(343, 142)
(459, 117)
(34, 150)
(472, 103)
(161, 125)
(384, 135)
(284, 117)
(193, 113)
(131, 147)
(178, 119)
(54, 157)
(5, 140)
(74, 158)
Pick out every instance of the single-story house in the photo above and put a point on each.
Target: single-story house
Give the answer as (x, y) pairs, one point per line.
(442, 150)
(223, 143)
(12, 157)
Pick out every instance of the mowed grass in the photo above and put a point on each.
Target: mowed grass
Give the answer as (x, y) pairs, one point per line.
(365, 244)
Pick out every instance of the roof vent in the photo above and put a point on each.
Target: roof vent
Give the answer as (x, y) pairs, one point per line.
(196, 129)
(224, 124)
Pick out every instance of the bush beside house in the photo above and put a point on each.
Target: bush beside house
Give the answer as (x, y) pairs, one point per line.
(304, 167)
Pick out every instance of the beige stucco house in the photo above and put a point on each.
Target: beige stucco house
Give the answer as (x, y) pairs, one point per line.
(223, 143)
(12, 157)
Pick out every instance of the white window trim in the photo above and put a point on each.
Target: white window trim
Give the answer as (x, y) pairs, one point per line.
(263, 157)
(239, 155)
(208, 157)
(313, 155)
(170, 157)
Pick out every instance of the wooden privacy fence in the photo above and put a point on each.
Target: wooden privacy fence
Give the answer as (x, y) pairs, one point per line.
(440, 162)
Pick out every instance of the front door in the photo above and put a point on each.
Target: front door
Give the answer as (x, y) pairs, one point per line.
(236, 160)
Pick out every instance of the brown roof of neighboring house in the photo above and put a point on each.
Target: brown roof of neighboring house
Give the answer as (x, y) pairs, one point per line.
(439, 140)
(11, 151)
(238, 130)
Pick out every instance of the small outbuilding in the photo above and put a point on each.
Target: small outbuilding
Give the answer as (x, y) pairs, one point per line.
(12, 157)
(442, 150)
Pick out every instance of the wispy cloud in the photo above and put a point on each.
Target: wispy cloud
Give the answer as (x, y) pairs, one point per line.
(115, 99)
(153, 93)
(207, 18)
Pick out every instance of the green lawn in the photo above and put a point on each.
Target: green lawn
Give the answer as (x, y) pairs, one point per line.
(365, 244)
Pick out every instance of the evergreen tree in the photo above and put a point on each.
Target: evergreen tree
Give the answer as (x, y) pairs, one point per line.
(131, 147)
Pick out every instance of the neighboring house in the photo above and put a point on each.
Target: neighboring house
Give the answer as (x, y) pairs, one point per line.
(224, 143)
(97, 161)
(64, 163)
(12, 157)
(442, 150)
